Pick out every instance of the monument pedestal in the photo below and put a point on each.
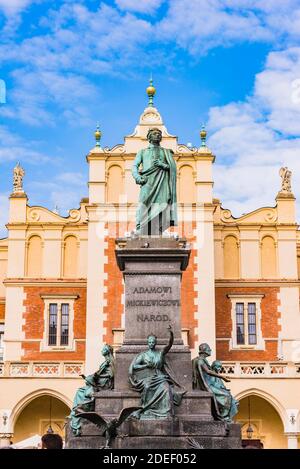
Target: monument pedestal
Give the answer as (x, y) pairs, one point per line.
(152, 269)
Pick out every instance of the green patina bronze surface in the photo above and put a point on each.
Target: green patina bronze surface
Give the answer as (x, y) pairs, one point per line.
(208, 378)
(154, 169)
(150, 375)
(100, 380)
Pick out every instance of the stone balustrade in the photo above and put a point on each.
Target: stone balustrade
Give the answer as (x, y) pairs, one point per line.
(248, 370)
(73, 369)
(45, 369)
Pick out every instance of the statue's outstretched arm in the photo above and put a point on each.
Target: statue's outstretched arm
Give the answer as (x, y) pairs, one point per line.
(171, 341)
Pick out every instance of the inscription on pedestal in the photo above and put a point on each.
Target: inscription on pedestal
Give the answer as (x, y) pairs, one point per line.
(161, 297)
(151, 301)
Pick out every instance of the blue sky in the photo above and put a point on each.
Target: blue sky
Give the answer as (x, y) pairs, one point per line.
(234, 64)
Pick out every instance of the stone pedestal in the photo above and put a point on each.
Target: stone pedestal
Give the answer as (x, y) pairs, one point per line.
(152, 269)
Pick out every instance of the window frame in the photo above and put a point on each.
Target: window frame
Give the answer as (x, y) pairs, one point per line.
(59, 300)
(246, 300)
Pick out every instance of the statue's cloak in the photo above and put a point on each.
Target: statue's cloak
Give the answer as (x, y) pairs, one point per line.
(159, 196)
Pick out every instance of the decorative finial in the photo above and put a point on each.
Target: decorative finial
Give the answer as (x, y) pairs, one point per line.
(203, 135)
(19, 173)
(98, 135)
(286, 176)
(151, 92)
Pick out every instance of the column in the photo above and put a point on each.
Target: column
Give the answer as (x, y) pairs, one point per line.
(205, 278)
(204, 245)
(95, 287)
(14, 307)
(292, 440)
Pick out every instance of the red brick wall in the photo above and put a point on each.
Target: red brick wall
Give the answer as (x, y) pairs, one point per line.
(188, 293)
(269, 323)
(2, 311)
(113, 295)
(34, 323)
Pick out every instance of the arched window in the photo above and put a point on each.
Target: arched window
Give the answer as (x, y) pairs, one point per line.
(268, 258)
(186, 185)
(34, 257)
(231, 257)
(70, 257)
(114, 184)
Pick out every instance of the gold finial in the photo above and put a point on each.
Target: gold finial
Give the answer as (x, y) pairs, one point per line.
(151, 92)
(98, 135)
(203, 135)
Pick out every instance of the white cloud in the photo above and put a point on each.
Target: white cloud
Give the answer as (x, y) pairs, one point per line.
(252, 139)
(139, 6)
(35, 91)
(199, 25)
(277, 88)
(81, 43)
(65, 199)
(14, 148)
(64, 190)
(11, 7)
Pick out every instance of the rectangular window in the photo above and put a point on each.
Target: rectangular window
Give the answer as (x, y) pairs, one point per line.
(246, 317)
(246, 336)
(58, 322)
(240, 323)
(52, 336)
(64, 330)
(252, 336)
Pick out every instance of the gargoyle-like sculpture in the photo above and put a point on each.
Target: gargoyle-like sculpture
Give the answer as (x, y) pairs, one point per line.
(108, 428)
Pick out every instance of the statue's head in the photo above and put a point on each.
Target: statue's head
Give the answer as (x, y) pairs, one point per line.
(151, 340)
(107, 350)
(205, 349)
(216, 366)
(154, 135)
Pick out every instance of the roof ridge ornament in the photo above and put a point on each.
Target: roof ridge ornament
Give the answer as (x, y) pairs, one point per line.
(203, 135)
(19, 174)
(151, 90)
(97, 149)
(98, 135)
(286, 177)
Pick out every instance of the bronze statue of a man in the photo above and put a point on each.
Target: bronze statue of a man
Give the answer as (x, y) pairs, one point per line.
(154, 169)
